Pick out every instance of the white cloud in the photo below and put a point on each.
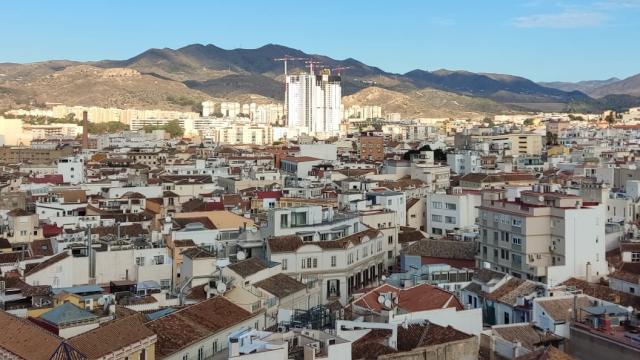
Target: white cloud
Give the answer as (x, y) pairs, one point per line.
(567, 19)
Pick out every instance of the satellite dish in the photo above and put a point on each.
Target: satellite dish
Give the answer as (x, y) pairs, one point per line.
(388, 303)
(384, 277)
(381, 299)
(241, 255)
(221, 288)
(101, 301)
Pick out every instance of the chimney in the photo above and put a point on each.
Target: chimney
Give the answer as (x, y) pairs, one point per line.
(85, 130)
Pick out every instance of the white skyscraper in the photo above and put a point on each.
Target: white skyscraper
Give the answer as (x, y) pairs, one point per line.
(313, 103)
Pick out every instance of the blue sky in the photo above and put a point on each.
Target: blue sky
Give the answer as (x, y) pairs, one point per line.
(540, 39)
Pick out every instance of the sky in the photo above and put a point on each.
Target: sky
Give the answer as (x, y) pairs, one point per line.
(543, 40)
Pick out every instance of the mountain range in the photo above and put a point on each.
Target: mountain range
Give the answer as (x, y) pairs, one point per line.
(180, 78)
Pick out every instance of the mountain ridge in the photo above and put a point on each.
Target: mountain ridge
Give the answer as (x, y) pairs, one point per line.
(212, 71)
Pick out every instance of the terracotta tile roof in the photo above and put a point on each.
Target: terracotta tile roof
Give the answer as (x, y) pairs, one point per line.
(526, 334)
(181, 223)
(280, 285)
(629, 272)
(198, 253)
(548, 353)
(195, 323)
(630, 246)
(288, 243)
(291, 243)
(13, 257)
(372, 345)
(429, 334)
(509, 292)
(41, 248)
(604, 292)
(29, 341)
(112, 336)
(417, 298)
(411, 202)
(14, 282)
(249, 266)
(446, 249)
(558, 309)
(18, 212)
(297, 159)
(183, 243)
(487, 275)
(45, 264)
(409, 234)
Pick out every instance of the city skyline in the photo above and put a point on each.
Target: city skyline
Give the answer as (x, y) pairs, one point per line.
(541, 40)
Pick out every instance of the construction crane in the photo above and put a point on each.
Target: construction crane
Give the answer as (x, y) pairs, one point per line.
(286, 60)
(309, 63)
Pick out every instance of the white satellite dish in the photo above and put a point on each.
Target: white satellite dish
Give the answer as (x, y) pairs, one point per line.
(221, 288)
(383, 277)
(241, 255)
(388, 303)
(381, 299)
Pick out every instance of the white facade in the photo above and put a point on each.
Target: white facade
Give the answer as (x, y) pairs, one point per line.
(313, 103)
(448, 212)
(72, 170)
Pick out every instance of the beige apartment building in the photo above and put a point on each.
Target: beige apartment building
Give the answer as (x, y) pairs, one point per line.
(542, 236)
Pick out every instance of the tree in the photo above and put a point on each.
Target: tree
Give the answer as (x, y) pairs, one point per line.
(528, 122)
(173, 128)
(438, 154)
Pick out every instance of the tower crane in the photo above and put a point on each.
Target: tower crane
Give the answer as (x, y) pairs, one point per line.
(310, 63)
(286, 60)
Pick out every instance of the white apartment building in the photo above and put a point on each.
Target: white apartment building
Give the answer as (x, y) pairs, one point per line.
(464, 162)
(340, 266)
(313, 103)
(238, 134)
(394, 201)
(72, 170)
(454, 210)
(424, 168)
(542, 236)
(311, 223)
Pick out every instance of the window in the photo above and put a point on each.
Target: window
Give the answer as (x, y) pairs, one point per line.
(158, 259)
(165, 284)
(304, 264)
(315, 263)
(284, 264)
(436, 218)
(450, 219)
(201, 354)
(309, 263)
(140, 261)
(516, 222)
(379, 246)
(334, 261)
(451, 206)
(436, 205)
(284, 220)
(143, 354)
(635, 257)
(185, 357)
(504, 254)
(214, 346)
(390, 240)
(389, 254)
(516, 240)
